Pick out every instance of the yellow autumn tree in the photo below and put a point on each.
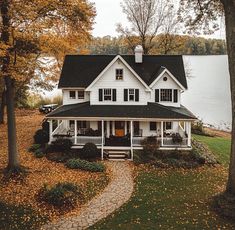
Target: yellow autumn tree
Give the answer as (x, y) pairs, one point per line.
(35, 35)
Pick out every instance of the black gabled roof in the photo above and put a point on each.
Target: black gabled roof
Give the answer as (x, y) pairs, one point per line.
(81, 70)
(151, 110)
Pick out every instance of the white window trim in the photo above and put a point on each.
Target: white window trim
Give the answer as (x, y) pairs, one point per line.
(152, 130)
(73, 98)
(83, 94)
(172, 96)
(131, 94)
(119, 75)
(110, 94)
(165, 125)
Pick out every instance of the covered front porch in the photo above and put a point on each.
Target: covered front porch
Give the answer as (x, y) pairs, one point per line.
(122, 134)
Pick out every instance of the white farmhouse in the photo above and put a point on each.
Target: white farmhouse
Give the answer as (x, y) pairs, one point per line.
(116, 101)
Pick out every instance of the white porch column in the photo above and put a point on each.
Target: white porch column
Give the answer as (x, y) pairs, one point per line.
(50, 131)
(131, 124)
(108, 128)
(113, 128)
(102, 140)
(125, 127)
(189, 133)
(75, 132)
(162, 133)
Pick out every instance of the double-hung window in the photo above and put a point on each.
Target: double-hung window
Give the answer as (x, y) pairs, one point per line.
(153, 126)
(166, 95)
(80, 94)
(119, 74)
(131, 94)
(107, 94)
(72, 94)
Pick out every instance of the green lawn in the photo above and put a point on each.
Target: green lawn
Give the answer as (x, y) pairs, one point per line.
(220, 146)
(172, 199)
(175, 199)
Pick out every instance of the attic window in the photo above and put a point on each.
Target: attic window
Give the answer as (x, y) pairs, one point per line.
(165, 79)
(119, 74)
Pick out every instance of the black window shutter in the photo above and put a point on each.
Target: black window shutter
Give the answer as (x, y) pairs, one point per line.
(100, 95)
(136, 94)
(175, 95)
(156, 95)
(125, 94)
(114, 94)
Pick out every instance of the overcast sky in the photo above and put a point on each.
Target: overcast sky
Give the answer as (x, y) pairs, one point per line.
(109, 13)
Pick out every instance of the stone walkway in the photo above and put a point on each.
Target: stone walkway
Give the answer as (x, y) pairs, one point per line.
(117, 192)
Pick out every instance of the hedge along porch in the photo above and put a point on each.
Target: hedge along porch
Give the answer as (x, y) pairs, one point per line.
(122, 134)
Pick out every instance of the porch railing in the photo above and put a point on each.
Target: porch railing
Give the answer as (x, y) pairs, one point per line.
(82, 140)
(167, 141)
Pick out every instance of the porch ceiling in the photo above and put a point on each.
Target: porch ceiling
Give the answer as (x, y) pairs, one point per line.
(139, 112)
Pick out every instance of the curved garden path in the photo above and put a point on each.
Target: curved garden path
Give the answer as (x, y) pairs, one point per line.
(117, 192)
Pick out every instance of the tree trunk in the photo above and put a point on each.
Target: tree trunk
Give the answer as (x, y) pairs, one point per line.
(11, 124)
(229, 7)
(2, 107)
(9, 83)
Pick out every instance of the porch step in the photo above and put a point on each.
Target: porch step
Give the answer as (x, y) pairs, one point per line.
(117, 154)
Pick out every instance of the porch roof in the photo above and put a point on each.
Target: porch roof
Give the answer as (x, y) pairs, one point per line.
(151, 110)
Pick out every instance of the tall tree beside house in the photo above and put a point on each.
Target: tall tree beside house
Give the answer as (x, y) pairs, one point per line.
(32, 31)
(205, 19)
(147, 19)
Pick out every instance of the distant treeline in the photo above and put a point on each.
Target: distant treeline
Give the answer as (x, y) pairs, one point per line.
(162, 44)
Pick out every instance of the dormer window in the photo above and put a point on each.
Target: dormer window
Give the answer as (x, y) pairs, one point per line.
(80, 94)
(166, 94)
(119, 74)
(72, 94)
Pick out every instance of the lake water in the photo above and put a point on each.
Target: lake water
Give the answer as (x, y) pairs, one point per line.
(208, 94)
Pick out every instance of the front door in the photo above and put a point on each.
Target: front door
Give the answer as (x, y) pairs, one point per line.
(119, 128)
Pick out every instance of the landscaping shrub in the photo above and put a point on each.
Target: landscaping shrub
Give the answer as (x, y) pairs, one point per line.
(85, 165)
(45, 126)
(60, 145)
(41, 137)
(90, 151)
(61, 194)
(34, 147)
(150, 146)
(39, 153)
(176, 138)
(59, 157)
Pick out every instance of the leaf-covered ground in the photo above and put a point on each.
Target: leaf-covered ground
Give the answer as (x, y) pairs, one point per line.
(40, 171)
(176, 199)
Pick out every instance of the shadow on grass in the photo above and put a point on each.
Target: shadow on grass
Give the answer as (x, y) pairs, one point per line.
(19, 217)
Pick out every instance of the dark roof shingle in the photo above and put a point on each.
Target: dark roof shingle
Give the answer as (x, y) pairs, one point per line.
(81, 70)
(151, 110)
